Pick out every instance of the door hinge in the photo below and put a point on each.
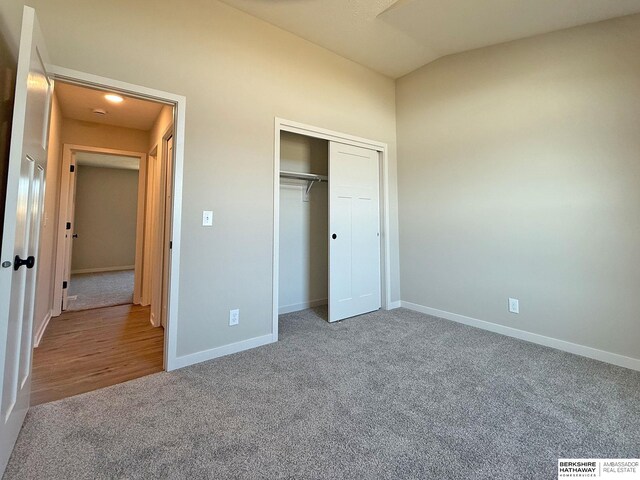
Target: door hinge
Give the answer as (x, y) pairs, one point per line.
(72, 168)
(170, 244)
(68, 225)
(64, 285)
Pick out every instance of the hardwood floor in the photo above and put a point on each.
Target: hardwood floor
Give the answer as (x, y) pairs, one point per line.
(91, 349)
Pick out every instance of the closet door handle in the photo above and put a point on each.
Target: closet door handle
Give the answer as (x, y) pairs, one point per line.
(334, 236)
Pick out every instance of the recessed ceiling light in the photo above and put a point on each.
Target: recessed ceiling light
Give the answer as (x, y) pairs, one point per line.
(99, 111)
(113, 98)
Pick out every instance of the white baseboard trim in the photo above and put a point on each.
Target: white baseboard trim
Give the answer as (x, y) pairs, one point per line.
(301, 306)
(394, 305)
(104, 269)
(589, 352)
(212, 353)
(41, 329)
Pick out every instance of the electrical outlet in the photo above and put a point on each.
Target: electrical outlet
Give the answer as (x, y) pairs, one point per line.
(514, 305)
(234, 317)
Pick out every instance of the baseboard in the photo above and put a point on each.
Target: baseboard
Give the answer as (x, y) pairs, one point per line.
(212, 353)
(152, 320)
(43, 327)
(394, 305)
(103, 269)
(589, 352)
(301, 306)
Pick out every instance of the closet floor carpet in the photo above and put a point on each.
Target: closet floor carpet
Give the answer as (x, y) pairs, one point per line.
(386, 395)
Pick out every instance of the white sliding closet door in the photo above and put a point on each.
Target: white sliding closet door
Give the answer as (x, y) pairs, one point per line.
(354, 231)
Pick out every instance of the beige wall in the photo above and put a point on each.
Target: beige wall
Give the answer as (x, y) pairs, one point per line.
(160, 127)
(304, 226)
(49, 232)
(519, 177)
(91, 134)
(105, 219)
(237, 73)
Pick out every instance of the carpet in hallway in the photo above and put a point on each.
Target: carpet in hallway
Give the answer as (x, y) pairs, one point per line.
(102, 289)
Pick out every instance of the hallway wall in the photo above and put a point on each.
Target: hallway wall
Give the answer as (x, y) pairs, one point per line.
(49, 231)
(105, 219)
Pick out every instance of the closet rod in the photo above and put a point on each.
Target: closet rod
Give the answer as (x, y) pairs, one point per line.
(309, 177)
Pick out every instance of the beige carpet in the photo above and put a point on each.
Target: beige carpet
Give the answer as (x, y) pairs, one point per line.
(388, 395)
(104, 289)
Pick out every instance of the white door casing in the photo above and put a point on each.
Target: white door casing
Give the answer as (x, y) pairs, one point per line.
(24, 203)
(64, 247)
(354, 231)
(166, 245)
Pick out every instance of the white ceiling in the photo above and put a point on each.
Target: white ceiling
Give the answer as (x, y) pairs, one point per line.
(396, 37)
(103, 160)
(78, 102)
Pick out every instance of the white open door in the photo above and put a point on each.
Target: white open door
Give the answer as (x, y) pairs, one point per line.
(24, 203)
(67, 225)
(354, 229)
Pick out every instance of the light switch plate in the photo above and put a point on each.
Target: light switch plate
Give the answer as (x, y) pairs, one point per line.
(207, 218)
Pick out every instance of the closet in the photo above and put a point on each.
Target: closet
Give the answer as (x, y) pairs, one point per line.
(329, 236)
(304, 211)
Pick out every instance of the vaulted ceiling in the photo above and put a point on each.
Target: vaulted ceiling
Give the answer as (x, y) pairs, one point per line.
(394, 37)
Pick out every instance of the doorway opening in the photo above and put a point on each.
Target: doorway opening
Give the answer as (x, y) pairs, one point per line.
(331, 219)
(99, 252)
(304, 212)
(104, 276)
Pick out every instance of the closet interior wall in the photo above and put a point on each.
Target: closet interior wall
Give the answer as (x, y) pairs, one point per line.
(303, 267)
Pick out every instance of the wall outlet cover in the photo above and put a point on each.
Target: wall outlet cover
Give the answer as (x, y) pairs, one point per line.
(234, 317)
(514, 305)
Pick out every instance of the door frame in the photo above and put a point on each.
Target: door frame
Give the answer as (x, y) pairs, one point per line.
(283, 125)
(68, 152)
(167, 182)
(179, 103)
(163, 255)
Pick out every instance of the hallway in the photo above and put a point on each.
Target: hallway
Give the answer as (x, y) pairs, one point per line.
(92, 349)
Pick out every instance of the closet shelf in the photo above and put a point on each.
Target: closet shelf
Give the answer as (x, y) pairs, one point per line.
(310, 178)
